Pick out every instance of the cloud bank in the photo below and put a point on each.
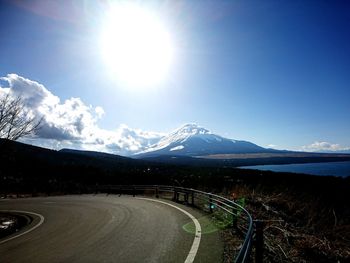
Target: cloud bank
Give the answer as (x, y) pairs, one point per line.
(320, 146)
(72, 123)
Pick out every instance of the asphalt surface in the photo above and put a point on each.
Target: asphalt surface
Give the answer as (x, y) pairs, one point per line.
(101, 228)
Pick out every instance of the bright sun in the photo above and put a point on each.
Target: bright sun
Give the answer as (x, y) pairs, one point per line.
(135, 45)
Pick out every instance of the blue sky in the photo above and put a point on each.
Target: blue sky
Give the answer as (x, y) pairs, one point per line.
(270, 72)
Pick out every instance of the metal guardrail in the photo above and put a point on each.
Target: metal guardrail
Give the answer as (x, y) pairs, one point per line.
(206, 201)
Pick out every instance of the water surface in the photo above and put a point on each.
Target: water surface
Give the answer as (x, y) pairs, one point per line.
(331, 168)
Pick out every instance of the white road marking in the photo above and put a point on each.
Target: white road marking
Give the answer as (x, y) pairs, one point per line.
(197, 237)
(27, 231)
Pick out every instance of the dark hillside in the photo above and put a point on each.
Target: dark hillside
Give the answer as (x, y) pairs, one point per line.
(26, 167)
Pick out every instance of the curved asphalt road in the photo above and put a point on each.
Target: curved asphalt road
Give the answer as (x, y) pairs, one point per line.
(102, 228)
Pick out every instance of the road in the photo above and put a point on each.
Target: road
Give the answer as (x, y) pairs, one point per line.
(102, 228)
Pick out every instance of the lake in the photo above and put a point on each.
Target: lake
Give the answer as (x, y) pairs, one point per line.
(331, 168)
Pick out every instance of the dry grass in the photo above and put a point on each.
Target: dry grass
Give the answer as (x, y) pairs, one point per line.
(296, 230)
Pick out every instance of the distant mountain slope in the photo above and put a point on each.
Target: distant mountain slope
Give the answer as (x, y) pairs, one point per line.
(97, 155)
(34, 169)
(23, 152)
(192, 140)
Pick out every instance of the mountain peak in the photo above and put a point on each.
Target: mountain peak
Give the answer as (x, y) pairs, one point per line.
(191, 129)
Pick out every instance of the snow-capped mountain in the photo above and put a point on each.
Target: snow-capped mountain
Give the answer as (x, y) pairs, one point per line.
(193, 140)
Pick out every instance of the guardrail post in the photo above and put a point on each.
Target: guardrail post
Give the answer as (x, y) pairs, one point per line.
(186, 198)
(210, 204)
(157, 192)
(259, 241)
(192, 198)
(133, 191)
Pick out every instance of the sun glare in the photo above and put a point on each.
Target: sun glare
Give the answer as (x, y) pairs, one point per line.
(135, 45)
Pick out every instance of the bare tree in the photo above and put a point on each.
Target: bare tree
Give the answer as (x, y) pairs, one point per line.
(15, 121)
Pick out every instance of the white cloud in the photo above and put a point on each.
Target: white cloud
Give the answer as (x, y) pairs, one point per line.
(99, 111)
(32, 93)
(69, 120)
(272, 146)
(72, 123)
(324, 146)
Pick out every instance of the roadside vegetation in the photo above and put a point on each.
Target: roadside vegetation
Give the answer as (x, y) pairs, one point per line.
(298, 226)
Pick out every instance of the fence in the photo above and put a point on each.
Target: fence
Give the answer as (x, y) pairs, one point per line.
(211, 203)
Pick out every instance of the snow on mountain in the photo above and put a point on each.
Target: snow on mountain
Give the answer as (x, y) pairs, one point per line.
(193, 140)
(177, 148)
